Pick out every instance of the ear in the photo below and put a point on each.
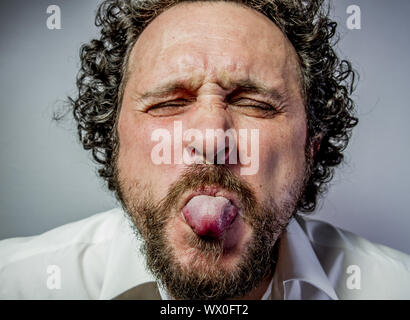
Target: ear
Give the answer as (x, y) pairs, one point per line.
(315, 144)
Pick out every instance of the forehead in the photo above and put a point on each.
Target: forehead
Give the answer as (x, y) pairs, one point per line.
(212, 41)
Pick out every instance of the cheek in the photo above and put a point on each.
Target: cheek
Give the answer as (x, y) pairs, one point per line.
(135, 141)
(135, 153)
(281, 158)
(283, 145)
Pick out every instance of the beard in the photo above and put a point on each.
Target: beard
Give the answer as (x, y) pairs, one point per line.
(204, 277)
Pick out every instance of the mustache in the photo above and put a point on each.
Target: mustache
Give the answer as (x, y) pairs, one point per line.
(197, 176)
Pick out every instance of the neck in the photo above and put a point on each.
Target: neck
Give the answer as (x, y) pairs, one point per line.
(258, 292)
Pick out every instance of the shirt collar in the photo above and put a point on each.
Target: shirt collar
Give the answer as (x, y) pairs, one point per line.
(298, 267)
(125, 265)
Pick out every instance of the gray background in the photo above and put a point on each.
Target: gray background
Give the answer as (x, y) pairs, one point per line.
(47, 179)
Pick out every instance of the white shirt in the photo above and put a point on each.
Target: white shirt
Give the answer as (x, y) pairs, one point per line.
(99, 258)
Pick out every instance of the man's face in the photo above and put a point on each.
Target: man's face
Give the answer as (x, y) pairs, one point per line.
(211, 66)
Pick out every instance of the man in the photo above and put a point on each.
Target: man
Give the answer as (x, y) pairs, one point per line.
(172, 100)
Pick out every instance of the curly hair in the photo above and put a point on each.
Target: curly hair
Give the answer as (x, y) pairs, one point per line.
(327, 81)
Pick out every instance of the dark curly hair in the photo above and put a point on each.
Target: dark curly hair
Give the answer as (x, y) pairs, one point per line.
(327, 81)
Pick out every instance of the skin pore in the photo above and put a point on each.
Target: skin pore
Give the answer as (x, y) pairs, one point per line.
(213, 66)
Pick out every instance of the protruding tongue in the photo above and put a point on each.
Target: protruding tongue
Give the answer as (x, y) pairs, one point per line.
(209, 216)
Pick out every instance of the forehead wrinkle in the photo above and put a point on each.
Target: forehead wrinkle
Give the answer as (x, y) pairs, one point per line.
(195, 38)
(207, 25)
(203, 64)
(170, 87)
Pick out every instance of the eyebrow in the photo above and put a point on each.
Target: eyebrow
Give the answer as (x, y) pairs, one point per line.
(237, 86)
(251, 86)
(166, 90)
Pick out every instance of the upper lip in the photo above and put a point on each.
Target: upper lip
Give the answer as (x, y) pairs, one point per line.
(213, 191)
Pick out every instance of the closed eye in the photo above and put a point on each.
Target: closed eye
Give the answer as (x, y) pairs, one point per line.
(253, 108)
(169, 108)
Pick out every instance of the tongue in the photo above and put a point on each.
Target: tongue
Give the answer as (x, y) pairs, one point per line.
(209, 216)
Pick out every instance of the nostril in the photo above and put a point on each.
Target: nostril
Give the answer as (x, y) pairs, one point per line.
(222, 157)
(193, 155)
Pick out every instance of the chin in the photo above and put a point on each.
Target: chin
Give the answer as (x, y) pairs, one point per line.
(207, 254)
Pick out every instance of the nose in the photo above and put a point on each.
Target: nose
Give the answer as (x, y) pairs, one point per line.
(212, 138)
